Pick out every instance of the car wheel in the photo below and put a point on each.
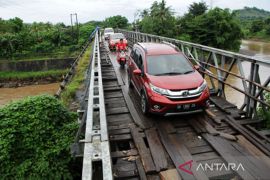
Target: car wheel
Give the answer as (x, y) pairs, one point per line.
(144, 104)
(130, 85)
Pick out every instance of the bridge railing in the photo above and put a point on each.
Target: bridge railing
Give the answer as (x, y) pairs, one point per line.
(96, 144)
(217, 65)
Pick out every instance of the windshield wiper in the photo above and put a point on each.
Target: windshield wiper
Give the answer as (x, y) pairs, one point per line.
(168, 73)
(187, 72)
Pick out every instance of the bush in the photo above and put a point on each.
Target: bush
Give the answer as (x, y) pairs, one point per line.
(35, 135)
(262, 114)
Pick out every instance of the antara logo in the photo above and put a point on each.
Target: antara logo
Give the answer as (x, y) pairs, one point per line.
(186, 167)
(189, 166)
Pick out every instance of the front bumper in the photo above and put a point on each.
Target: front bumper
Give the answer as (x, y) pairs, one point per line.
(172, 107)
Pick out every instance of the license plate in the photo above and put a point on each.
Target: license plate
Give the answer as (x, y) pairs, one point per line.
(186, 106)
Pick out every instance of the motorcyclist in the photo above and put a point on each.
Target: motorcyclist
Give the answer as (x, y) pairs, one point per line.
(121, 46)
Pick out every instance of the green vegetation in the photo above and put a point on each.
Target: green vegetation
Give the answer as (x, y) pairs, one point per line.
(19, 40)
(35, 136)
(262, 114)
(255, 23)
(252, 13)
(116, 22)
(158, 20)
(33, 75)
(216, 27)
(76, 83)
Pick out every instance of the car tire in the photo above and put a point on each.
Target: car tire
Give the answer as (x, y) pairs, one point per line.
(144, 104)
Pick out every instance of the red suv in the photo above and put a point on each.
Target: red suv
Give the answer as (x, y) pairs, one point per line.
(166, 80)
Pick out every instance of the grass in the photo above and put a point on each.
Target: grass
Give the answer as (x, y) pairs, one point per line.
(8, 76)
(76, 83)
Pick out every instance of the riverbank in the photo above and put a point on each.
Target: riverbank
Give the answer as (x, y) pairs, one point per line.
(19, 79)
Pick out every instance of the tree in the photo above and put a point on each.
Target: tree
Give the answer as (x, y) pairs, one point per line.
(217, 28)
(197, 9)
(158, 20)
(267, 26)
(257, 25)
(116, 22)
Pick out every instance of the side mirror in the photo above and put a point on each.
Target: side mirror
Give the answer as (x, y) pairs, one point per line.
(137, 72)
(197, 67)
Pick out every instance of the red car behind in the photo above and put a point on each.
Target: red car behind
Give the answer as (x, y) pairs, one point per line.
(114, 39)
(166, 80)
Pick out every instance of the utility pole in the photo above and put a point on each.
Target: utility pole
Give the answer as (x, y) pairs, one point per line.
(71, 23)
(78, 32)
(76, 23)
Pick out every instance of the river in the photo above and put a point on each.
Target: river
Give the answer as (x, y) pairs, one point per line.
(258, 49)
(11, 94)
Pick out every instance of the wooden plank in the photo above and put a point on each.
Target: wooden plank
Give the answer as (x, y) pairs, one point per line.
(167, 126)
(117, 110)
(144, 152)
(115, 102)
(170, 174)
(218, 174)
(120, 137)
(200, 149)
(178, 142)
(253, 149)
(114, 94)
(125, 170)
(118, 117)
(249, 121)
(214, 117)
(156, 149)
(221, 102)
(140, 169)
(173, 152)
(120, 126)
(206, 156)
(257, 142)
(118, 154)
(153, 177)
(115, 123)
(119, 131)
(230, 154)
(116, 88)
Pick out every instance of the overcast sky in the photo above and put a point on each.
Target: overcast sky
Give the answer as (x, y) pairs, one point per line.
(59, 10)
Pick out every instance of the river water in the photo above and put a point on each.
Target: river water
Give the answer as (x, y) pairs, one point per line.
(260, 50)
(8, 95)
(252, 48)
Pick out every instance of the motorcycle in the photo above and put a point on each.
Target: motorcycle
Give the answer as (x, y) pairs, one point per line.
(122, 58)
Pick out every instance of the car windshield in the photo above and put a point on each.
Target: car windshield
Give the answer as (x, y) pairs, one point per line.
(171, 64)
(108, 31)
(117, 36)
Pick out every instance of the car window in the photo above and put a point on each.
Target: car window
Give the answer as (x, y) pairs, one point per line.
(132, 54)
(137, 55)
(108, 31)
(171, 64)
(117, 36)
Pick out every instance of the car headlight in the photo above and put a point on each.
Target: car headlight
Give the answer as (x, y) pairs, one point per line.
(203, 86)
(158, 90)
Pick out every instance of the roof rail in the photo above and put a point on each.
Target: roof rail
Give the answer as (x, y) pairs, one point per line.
(140, 44)
(172, 45)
